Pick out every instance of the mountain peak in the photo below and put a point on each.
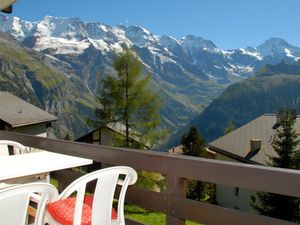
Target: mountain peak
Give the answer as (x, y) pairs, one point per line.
(138, 35)
(191, 41)
(274, 46)
(61, 27)
(18, 28)
(168, 41)
(276, 40)
(48, 17)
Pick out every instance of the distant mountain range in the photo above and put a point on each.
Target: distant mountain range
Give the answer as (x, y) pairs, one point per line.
(273, 87)
(190, 72)
(36, 78)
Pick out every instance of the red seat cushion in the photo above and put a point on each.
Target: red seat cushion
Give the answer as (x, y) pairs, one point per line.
(63, 210)
(88, 199)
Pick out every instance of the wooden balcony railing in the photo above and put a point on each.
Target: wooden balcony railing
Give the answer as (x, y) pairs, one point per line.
(176, 168)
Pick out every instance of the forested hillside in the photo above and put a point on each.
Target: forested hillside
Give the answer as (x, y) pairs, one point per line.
(272, 88)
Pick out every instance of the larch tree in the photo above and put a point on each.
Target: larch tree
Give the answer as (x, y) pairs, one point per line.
(129, 99)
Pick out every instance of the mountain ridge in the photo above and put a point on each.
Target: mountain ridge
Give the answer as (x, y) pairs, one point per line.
(190, 72)
(74, 29)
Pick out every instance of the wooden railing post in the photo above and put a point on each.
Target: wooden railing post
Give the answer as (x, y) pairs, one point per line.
(175, 187)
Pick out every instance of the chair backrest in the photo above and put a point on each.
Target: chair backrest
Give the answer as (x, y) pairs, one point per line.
(14, 202)
(106, 181)
(17, 148)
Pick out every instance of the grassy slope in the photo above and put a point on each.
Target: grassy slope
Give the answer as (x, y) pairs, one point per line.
(17, 56)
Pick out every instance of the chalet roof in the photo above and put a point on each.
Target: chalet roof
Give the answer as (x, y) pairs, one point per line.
(116, 127)
(17, 112)
(236, 144)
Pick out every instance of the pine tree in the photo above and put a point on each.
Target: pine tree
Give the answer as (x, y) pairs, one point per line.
(193, 144)
(285, 145)
(127, 98)
(285, 142)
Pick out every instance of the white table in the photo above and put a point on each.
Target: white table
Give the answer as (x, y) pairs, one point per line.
(37, 163)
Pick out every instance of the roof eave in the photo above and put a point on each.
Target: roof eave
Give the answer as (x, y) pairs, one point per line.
(233, 156)
(31, 123)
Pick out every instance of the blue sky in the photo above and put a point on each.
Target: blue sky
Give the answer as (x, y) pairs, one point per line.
(228, 23)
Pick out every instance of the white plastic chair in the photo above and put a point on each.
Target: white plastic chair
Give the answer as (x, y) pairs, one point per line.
(17, 148)
(107, 179)
(14, 202)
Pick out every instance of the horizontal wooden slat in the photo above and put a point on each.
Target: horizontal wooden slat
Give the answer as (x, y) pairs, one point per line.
(147, 199)
(194, 210)
(133, 222)
(147, 160)
(215, 215)
(251, 177)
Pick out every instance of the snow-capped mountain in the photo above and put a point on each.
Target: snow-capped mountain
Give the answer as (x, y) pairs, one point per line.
(72, 36)
(277, 47)
(190, 71)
